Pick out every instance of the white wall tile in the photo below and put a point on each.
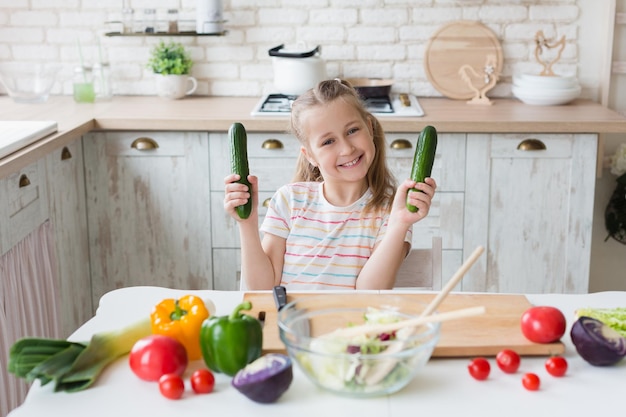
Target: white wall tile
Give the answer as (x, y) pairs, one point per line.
(375, 38)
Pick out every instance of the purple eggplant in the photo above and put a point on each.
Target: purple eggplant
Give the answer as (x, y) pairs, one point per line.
(597, 343)
(265, 379)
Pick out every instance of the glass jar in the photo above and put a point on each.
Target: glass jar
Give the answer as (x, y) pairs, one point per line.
(83, 85)
(102, 81)
(149, 20)
(172, 21)
(128, 20)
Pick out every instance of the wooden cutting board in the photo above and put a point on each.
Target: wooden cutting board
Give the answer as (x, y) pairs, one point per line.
(457, 44)
(483, 335)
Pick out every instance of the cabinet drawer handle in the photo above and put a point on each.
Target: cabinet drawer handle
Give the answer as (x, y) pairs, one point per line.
(401, 144)
(272, 144)
(266, 203)
(24, 181)
(65, 154)
(144, 144)
(531, 145)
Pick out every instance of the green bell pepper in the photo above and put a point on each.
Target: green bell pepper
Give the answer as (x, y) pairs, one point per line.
(229, 343)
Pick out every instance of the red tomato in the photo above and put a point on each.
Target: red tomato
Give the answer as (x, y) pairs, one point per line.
(508, 360)
(556, 366)
(202, 381)
(171, 386)
(157, 355)
(531, 382)
(543, 324)
(479, 368)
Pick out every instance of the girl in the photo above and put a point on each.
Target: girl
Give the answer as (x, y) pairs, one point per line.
(338, 225)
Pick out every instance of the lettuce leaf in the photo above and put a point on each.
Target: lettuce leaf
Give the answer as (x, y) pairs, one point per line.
(615, 318)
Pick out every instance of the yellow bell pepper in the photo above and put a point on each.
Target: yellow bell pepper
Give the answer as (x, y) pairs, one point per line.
(181, 319)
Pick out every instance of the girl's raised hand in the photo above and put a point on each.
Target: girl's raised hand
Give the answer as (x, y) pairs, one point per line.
(236, 194)
(421, 200)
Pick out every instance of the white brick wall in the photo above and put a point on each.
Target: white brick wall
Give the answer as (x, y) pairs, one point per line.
(359, 38)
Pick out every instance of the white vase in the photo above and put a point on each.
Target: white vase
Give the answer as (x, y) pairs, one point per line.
(174, 87)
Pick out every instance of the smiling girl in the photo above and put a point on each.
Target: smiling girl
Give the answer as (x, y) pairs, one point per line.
(341, 224)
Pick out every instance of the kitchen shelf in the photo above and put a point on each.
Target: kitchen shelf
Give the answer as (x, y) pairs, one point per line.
(183, 33)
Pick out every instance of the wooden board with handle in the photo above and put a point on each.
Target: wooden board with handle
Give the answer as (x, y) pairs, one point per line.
(483, 335)
(458, 44)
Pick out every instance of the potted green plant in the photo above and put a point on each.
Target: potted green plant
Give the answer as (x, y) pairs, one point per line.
(171, 64)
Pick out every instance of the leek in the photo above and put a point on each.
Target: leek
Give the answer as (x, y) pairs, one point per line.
(72, 366)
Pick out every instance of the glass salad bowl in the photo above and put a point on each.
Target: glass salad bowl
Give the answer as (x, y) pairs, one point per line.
(28, 82)
(314, 329)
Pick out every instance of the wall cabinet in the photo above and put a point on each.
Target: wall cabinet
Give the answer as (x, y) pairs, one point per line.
(148, 210)
(532, 211)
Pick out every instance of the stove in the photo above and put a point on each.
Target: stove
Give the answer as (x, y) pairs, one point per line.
(394, 105)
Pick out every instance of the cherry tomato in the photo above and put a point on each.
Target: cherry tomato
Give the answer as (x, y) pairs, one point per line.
(508, 361)
(202, 381)
(531, 382)
(171, 386)
(479, 368)
(543, 324)
(157, 355)
(556, 366)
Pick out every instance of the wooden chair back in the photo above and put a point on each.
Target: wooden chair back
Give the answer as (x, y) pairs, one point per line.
(422, 268)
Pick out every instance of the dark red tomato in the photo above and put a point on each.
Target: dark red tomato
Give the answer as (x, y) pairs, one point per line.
(202, 381)
(531, 382)
(543, 324)
(508, 360)
(556, 366)
(479, 368)
(171, 386)
(157, 355)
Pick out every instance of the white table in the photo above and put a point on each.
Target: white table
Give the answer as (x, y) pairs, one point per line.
(444, 388)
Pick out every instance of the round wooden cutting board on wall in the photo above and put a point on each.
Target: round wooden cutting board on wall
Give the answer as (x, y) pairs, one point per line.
(458, 44)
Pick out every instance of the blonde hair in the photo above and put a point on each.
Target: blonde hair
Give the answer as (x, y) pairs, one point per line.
(379, 177)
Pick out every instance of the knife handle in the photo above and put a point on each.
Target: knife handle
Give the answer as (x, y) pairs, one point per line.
(280, 296)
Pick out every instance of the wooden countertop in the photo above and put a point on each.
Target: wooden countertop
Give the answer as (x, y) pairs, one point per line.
(218, 113)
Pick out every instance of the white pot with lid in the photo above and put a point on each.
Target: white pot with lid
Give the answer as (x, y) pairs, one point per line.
(297, 70)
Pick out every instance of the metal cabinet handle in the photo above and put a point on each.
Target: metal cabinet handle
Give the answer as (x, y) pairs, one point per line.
(401, 144)
(144, 144)
(531, 145)
(65, 154)
(24, 181)
(266, 203)
(272, 144)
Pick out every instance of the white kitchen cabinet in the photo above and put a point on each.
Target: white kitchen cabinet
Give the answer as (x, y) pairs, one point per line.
(445, 217)
(68, 216)
(148, 210)
(272, 158)
(23, 203)
(531, 210)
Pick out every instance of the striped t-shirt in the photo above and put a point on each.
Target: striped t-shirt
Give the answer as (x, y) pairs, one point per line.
(326, 246)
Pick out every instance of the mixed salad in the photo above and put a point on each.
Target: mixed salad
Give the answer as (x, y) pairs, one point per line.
(349, 364)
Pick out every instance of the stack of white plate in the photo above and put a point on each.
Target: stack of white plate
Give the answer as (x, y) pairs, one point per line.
(544, 90)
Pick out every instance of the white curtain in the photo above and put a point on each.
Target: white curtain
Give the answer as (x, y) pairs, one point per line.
(28, 304)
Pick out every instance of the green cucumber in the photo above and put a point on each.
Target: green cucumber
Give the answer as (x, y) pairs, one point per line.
(424, 158)
(239, 163)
